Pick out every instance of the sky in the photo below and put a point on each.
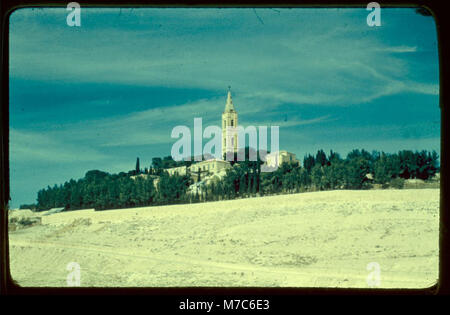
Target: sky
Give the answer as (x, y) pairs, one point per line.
(102, 94)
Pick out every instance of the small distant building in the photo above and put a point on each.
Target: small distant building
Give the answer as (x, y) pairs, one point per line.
(208, 167)
(180, 170)
(145, 176)
(275, 159)
(205, 168)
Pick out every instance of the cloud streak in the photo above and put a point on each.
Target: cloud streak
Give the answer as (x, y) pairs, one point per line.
(326, 65)
(32, 146)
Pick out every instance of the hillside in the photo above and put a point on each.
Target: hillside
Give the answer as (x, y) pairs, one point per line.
(299, 240)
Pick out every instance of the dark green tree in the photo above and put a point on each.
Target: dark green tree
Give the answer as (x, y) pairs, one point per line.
(321, 158)
(138, 167)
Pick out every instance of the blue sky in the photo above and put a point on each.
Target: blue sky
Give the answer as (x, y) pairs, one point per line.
(100, 95)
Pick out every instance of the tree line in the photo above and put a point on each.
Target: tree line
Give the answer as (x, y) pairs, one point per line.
(358, 170)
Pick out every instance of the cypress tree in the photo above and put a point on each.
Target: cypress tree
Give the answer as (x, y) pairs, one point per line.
(138, 168)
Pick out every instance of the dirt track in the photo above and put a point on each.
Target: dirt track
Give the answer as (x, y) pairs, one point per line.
(302, 240)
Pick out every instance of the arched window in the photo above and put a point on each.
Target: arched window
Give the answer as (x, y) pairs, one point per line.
(232, 123)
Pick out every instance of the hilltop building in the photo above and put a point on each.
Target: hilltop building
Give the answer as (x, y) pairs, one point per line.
(180, 170)
(277, 158)
(204, 168)
(212, 166)
(209, 168)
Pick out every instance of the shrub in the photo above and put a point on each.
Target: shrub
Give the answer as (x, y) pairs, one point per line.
(397, 183)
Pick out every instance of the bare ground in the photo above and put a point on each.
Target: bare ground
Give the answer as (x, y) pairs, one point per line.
(320, 239)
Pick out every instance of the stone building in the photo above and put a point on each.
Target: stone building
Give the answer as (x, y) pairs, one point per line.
(180, 170)
(275, 159)
(208, 167)
(205, 168)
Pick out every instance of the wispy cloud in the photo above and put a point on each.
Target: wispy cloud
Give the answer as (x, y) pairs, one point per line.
(329, 64)
(35, 146)
(147, 127)
(292, 122)
(400, 49)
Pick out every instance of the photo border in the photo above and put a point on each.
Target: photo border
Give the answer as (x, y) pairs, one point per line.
(280, 296)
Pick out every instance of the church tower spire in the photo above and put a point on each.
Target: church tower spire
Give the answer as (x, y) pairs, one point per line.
(229, 128)
(229, 107)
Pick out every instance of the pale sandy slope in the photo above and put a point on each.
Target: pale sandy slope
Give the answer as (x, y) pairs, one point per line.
(301, 240)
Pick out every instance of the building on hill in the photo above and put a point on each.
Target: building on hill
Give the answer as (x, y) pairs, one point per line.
(204, 168)
(275, 159)
(145, 176)
(229, 144)
(180, 170)
(212, 166)
(208, 167)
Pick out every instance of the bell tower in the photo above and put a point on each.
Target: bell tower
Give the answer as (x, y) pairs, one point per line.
(229, 127)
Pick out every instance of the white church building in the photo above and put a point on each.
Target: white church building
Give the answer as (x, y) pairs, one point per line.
(229, 146)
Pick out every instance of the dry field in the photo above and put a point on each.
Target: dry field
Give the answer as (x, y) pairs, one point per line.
(324, 239)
